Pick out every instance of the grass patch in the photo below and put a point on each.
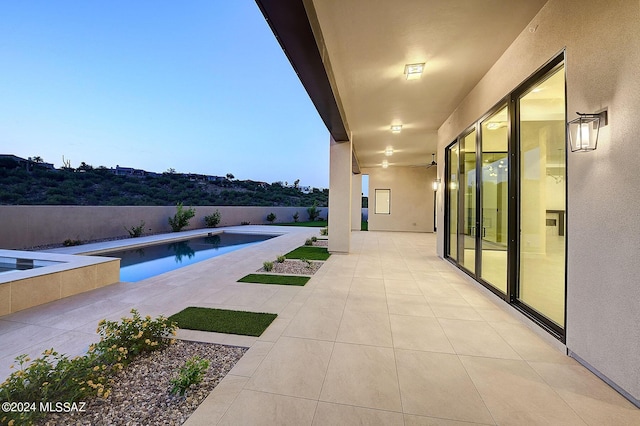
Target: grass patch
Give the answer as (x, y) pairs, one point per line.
(315, 224)
(274, 279)
(223, 321)
(309, 253)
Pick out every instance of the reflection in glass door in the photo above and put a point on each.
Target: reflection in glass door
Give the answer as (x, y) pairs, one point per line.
(468, 225)
(542, 197)
(494, 200)
(452, 187)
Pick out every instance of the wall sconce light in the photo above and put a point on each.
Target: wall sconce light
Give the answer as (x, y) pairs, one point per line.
(385, 164)
(436, 184)
(584, 130)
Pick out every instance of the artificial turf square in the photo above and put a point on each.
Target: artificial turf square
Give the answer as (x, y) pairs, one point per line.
(223, 320)
(309, 253)
(274, 279)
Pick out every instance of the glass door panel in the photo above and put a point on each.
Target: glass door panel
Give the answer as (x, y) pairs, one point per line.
(467, 225)
(542, 197)
(494, 199)
(452, 187)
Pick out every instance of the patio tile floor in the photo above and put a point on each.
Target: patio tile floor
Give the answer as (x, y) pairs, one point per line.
(389, 334)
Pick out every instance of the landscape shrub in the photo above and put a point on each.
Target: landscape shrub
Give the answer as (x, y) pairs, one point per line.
(136, 231)
(267, 266)
(191, 373)
(213, 219)
(181, 218)
(296, 216)
(54, 377)
(314, 239)
(69, 242)
(308, 242)
(324, 231)
(313, 212)
(271, 217)
(281, 259)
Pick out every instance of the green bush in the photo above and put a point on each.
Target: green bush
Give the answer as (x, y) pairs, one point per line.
(268, 266)
(181, 218)
(69, 242)
(308, 242)
(136, 231)
(296, 216)
(56, 378)
(271, 217)
(281, 258)
(314, 239)
(313, 212)
(191, 373)
(213, 219)
(324, 231)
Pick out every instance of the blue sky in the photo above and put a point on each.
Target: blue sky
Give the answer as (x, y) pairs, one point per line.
(198, 86)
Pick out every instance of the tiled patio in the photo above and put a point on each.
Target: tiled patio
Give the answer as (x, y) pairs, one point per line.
(389, 334)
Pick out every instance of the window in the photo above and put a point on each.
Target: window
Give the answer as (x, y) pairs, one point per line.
(383, 201)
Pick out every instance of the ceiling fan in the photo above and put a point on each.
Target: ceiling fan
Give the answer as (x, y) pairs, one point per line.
(433, 161)
(428, 165)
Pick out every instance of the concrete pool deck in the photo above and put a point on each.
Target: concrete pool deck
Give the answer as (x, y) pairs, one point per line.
(389, 334)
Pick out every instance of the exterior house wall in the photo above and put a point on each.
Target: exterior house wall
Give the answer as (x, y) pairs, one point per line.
(29, 226)
(602, 45)
(411, 198)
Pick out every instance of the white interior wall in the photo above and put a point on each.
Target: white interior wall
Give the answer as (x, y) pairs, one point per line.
(411, 198)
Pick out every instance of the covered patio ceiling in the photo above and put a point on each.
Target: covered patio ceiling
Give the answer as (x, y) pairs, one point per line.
(351, 54)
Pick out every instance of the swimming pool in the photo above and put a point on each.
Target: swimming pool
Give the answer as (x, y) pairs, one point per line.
(11, 264)
(139, 263)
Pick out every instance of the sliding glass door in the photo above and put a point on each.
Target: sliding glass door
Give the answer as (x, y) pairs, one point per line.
(495, 199)
(542, 174)
(506, 198)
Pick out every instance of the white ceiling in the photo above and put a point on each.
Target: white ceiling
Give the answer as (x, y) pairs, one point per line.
(370, 41)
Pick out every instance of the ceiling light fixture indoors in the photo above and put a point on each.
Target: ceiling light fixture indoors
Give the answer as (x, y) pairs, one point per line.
(389, 151)
(396, 128)
(385, 164)
(413, 71)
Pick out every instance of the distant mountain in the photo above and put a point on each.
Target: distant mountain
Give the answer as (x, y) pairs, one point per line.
(31, 184)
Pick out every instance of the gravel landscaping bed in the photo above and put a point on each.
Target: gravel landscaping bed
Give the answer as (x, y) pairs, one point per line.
(140, 393)
(321, 243)
(291, 266)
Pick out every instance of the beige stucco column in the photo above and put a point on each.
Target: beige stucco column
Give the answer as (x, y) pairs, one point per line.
(356, 202)
(339, 196)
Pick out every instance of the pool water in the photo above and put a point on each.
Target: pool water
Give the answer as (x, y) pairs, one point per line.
(10, 264)
(145, 262)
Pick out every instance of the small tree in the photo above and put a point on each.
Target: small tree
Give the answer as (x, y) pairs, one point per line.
(213, 219)
(181, 218)
(271, 217)
(313, 212)
(230, 176)
(136, 231)
(296, 216)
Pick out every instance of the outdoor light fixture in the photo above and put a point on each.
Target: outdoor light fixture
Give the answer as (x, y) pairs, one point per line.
(385, 164)
(413, 71)
(396, 128)
(389, 151)
(584, 131)
(436, 184)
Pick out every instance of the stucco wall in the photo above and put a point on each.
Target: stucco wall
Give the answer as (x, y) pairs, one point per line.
(411, 198)
(602, 44)
(28, 226)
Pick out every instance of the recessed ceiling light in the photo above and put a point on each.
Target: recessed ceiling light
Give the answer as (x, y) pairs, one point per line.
(396, 128)
(385, 164)
(389, 151)
(413, 71)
